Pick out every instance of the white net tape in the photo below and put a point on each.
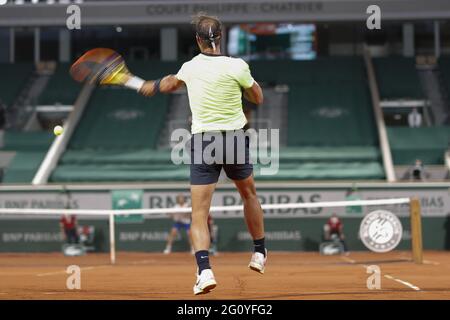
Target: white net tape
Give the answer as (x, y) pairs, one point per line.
(157, 211)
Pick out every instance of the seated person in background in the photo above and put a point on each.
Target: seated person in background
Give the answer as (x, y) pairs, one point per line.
(417, 172)
(181, 220)
(68, 225)
(334, 229)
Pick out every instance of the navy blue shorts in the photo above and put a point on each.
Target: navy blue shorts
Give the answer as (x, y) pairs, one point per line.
(209, 156)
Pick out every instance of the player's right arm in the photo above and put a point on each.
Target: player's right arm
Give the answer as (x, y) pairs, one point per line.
(254, 94)
(167, 84)
(252, 90)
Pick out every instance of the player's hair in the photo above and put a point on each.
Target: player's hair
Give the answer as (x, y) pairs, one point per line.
(208, 29)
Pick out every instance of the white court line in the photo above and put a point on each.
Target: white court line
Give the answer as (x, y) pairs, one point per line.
(410, 285)
(402, 282)
(64, 271)
(434, 263)
(143, 261)
(348, 260)
(90, 268)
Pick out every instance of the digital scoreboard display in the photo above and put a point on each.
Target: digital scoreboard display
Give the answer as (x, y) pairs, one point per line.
(273, 41)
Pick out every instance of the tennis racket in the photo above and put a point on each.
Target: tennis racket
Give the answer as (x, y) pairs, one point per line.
(103, 66)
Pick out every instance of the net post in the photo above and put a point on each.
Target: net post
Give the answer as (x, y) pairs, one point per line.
(112, 238)
(416, 230)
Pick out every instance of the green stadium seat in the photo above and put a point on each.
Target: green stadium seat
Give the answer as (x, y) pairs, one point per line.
(330, 122)
(444, 67)
(30, 148)
(156, 165)
(118, 118)
(116, 138)
(397, 78)
(17, 75)
(330, 115)
(61, 88)
(426, 143)
(331, 130)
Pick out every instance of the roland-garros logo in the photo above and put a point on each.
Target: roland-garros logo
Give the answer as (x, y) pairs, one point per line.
(381, 231)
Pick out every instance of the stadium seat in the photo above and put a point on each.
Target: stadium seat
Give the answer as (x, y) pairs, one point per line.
(30, 149)
(61, 88)
(330, 119)
(330, 136)
(116, 136)
(397, 78)
(17, 75)
(427, 144)
(444, 68)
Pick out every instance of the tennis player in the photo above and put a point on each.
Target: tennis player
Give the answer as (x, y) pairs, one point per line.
(214, 84)
(181, 221)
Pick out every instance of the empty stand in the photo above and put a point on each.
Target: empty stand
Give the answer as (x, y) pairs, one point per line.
(330, 113)
(117, 124)
(16, 76)
(397, 78)
(428, 144)
(331, 132)
(30, 149)
(61, 88)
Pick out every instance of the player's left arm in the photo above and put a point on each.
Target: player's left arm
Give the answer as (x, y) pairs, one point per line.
(167, 84)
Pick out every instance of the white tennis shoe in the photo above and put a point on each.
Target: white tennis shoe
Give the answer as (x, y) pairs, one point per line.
(258, 262)
(205, 282)
(167, 250)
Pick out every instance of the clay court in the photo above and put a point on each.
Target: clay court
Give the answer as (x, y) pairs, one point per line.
(288, 276)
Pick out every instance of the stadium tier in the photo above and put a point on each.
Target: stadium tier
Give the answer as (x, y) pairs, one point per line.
(116, 122)
(329, 107)
(125, 127)
(444, 68)
(397, 78)
(30, 149)
(16, 76)
(331, 131)
(61, 88)
(427, 144)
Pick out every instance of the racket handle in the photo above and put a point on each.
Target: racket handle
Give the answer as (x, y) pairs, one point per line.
(135, 83)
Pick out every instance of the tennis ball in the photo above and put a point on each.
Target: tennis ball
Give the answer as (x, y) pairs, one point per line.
(58, 130)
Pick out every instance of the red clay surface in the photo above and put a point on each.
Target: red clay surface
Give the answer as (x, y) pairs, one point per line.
(288, 276)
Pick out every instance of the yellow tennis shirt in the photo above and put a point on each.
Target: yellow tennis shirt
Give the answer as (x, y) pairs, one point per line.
(214, 88)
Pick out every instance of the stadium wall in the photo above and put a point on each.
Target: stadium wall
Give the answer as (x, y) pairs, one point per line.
(287, 230)
(230, 11)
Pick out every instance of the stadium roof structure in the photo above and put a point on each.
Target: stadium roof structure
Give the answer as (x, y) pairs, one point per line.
(160, 12)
